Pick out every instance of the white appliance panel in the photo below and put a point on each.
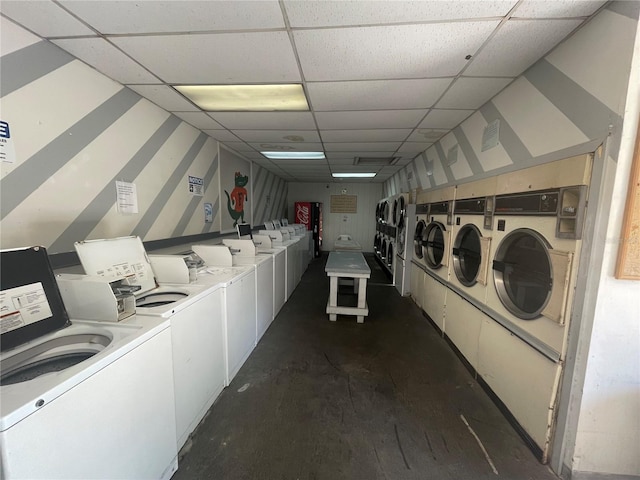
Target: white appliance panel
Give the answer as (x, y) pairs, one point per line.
(435, 299)
(463, 323)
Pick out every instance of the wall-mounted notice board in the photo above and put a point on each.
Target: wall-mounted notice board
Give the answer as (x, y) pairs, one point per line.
(628, 266)
(344, 204)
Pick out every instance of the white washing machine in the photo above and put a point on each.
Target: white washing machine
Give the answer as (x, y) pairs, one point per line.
(535, 248)
(238, 313)
(244, 253)
(263, 247)
(436, 252)
(406, 226)
(418, 262)
(470, 265)
(55, 419)
(194, 313)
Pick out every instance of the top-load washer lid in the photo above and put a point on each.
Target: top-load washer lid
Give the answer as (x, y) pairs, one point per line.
(30, 301)
(126, 257)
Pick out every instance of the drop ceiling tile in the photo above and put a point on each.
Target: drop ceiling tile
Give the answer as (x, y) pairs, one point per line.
(199, 120)
(107, 59)
(472, 93)
(361, 147)
(382, 135)
(222, 135)
(352, 155)
(444, 118)
(556, 8)
(300, 163)
(414, 147)
(265, 120)
(356, 168)
(118, 17)
(287, 136)
(427, 135)
(44, 18)
(287, 147)
(405, 51)
(376, 94)
(14, 37)
(165, 97)
(323, 14)
(341, 161)
(517, 45)
(239, 146)
(370, 119)
(228, 58)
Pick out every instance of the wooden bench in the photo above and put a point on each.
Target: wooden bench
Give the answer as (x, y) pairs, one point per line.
(347, 265)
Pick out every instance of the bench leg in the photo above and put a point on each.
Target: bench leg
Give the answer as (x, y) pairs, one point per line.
(360, 318)
(333, 317)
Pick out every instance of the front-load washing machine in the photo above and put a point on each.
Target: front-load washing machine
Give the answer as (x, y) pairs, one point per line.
(436, 251)
(406, 226)
(55, 419)
(470, 264)
(535, 249)
(418, 262)
(194, 313)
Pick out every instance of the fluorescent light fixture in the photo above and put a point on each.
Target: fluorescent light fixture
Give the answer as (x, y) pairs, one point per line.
(254, 98)
(353, 175)
(294, 155)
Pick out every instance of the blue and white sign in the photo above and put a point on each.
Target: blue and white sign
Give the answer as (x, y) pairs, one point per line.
(7, 151)
(196, 186)
(208, 213)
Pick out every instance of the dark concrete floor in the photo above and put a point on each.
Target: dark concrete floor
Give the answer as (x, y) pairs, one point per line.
(386, 399)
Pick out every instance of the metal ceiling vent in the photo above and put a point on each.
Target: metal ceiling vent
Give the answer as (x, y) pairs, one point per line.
(375, 161)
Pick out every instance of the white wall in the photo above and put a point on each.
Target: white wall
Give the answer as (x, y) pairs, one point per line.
(361, 226)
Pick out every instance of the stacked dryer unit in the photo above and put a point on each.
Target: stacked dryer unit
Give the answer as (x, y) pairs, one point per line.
(435, 245)
(536, 244)
(405, 215)
(470, 265)
(418, 263)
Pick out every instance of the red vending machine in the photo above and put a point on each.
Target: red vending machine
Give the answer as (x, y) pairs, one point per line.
(310, 214)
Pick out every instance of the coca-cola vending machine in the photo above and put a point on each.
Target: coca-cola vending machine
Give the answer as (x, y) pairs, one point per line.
(310, 214)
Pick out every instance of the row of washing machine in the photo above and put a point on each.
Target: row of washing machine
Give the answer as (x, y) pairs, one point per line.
(494, 267)
(152, 338)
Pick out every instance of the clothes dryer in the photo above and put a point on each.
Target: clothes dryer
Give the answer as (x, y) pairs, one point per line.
(535, 249)
(436, 251)
(404, 248)
(470, 264)
(418, 262)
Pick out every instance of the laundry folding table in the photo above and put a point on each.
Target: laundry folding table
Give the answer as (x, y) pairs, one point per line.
(347, 265)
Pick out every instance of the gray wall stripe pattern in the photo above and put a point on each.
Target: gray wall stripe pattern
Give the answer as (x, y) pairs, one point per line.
(583, 109)
(628, 9)
(153, 212)
(196, 201)
(258, 188)
(467, 149)
(263, 200)
(425, 160)
(512, 144)
(276, 196)
(416, 172)
(443, 160)
(89, 218)
(207, 226)
(278, 206)
(37, 169)
(28, 64)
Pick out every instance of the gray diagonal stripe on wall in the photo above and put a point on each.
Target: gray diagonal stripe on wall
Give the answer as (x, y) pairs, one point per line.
(425, 160)
(28, 64)
(512, 144)
(416, 171)
(277, 202)
(208, 226)
(258, 186)
(443, 161)
(628, 9)
(274, 193)
(42, 165)
(190, 211)
(263, 198)
(583, 109)
(467, 149)
(89, 218)
(154, 210)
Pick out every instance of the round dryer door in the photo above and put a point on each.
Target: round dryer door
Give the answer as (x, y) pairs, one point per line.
(398, 212)
(376, 243)
(522, 273)
(401, 238)
(390, 254)
(467, 255)
(418, 238)
(385, 212)
(383, 249)
(434, 244)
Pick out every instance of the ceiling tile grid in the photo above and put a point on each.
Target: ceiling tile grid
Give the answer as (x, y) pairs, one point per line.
(383, 79)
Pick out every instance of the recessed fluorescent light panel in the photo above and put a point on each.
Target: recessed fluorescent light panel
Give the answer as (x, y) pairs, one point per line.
(353, 175)
(294, 155)
(254, 98)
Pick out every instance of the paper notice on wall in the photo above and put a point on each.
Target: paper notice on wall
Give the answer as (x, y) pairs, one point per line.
(126, 197)
(22, 306)
(7, 150)
(196, 186)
